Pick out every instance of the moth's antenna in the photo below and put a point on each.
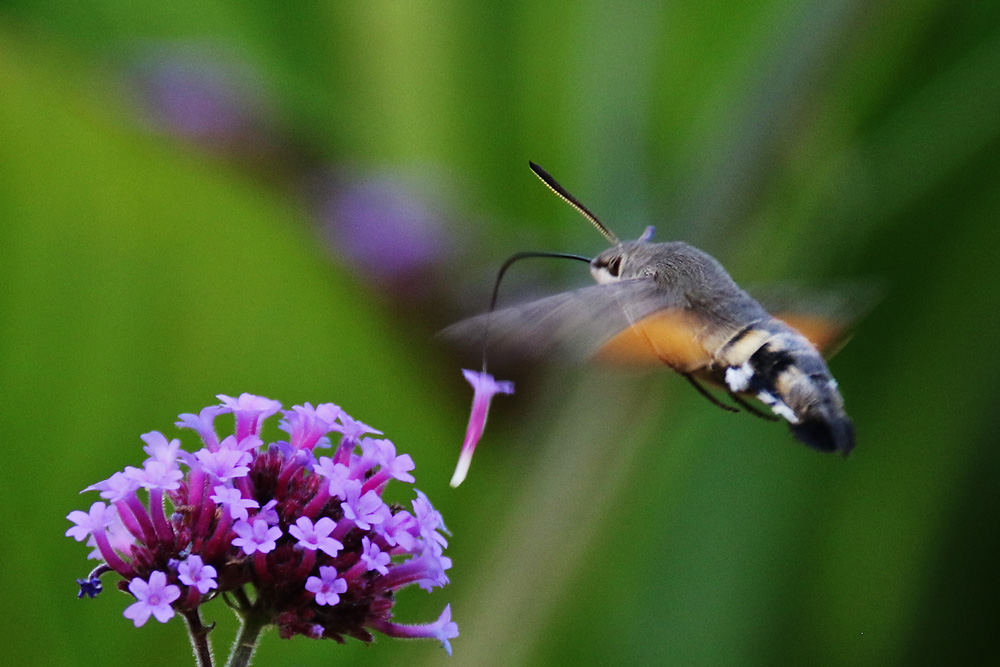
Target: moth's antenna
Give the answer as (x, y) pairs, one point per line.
(573, 201)
(503, 270)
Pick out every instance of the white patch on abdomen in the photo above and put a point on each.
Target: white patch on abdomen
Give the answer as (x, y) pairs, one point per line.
(778, 406)
(738, 377)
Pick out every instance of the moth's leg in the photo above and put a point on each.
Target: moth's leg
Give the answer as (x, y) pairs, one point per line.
(704, 392)
(753, 410)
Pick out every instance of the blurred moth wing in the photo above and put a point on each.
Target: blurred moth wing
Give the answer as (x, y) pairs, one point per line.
(827, 316)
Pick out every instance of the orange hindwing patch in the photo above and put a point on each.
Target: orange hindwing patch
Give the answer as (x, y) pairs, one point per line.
(668, 337)
(825, 334)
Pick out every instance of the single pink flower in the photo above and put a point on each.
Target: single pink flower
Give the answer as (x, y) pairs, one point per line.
(484, 387)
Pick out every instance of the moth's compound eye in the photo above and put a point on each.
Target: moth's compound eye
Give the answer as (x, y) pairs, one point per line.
(607, 268)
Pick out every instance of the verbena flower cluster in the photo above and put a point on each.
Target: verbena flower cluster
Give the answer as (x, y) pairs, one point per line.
(312, 535)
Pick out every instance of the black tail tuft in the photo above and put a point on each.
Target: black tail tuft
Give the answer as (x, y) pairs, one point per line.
(833, 435)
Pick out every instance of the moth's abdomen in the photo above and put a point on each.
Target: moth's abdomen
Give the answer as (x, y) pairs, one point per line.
(777, 365)
(814, 398)
(826, 431)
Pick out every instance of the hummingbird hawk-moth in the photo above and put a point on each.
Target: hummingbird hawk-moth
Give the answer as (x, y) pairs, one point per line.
(673, 305)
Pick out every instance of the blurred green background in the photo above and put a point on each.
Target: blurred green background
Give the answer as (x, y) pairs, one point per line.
(290, 198)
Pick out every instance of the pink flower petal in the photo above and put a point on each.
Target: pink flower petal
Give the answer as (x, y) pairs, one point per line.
(484, 387)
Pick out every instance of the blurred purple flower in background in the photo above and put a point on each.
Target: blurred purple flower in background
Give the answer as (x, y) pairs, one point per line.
(386, 226)
(202, 94)
(390, 226)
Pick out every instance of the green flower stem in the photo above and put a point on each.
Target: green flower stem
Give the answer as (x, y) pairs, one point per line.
(253, 622)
